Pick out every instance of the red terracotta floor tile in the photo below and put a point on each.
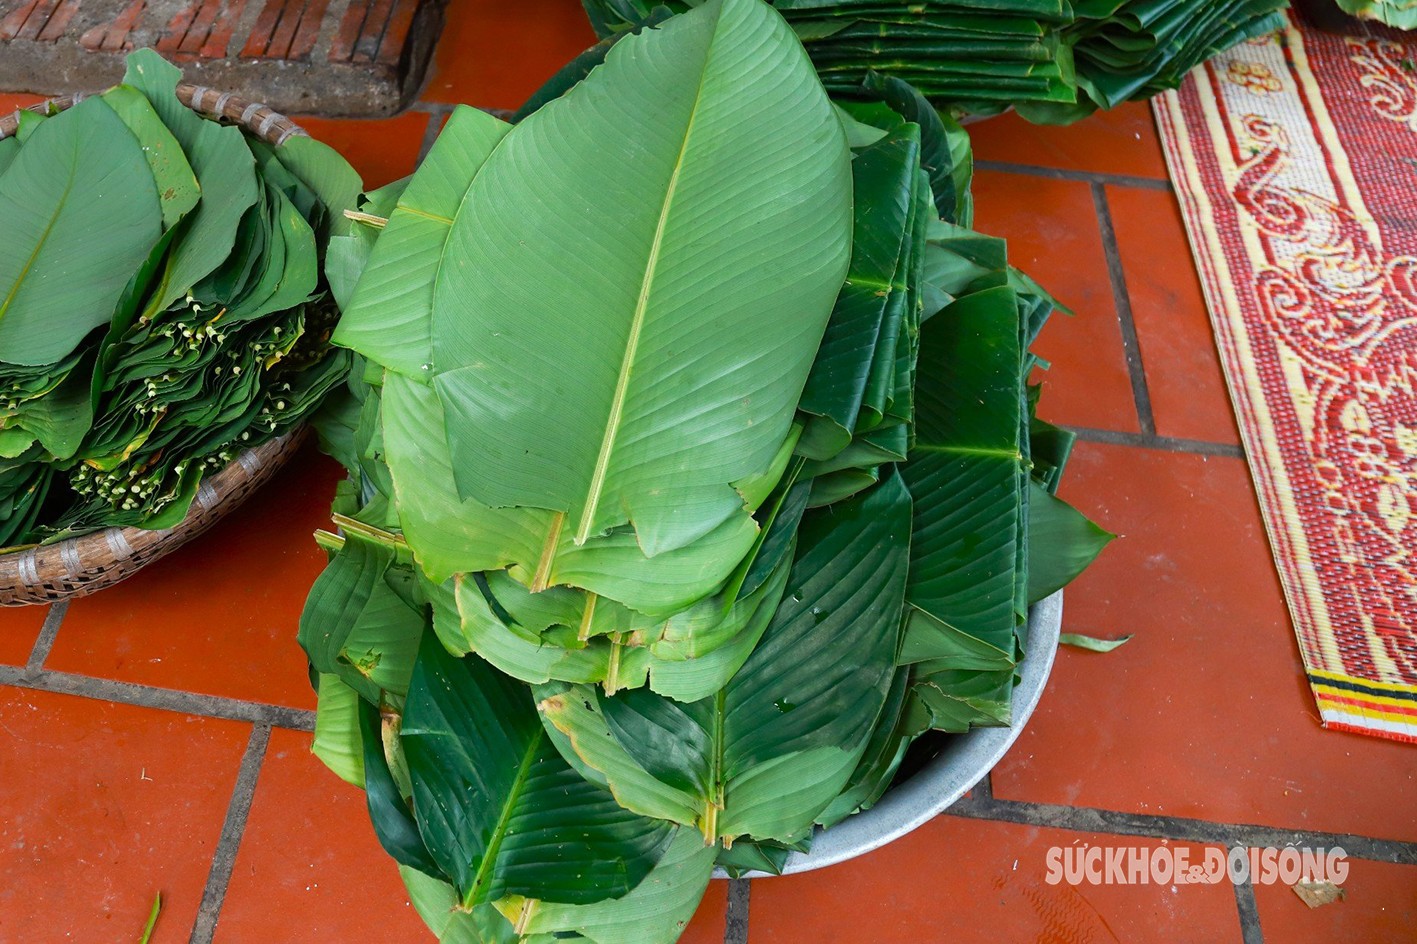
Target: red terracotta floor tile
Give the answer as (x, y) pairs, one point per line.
(309, 867)
(382, 151)
(309, 856)
(1053, 235)
(495, 54)
(1183, 375)
(19, 628)
(1120, 141)
(1380, 907)
(708, 924)
(220, 616)
(966, 881)
(1205, 713)
(102, 806)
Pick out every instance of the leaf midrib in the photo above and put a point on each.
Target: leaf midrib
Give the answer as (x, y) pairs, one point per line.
(968, 451)
(44, 237)
(717, 787)
(499, 832)
(622, 383)
(424, 214)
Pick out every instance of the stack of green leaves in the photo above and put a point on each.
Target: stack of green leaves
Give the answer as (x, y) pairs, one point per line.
(1056, 60)
(161, 304)
(1133, 49)
(693, 478)
(1399, 13)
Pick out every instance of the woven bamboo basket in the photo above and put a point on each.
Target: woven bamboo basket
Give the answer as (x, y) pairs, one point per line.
(90, 562)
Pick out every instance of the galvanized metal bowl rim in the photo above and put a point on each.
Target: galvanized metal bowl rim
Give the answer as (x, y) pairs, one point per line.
(962, 763)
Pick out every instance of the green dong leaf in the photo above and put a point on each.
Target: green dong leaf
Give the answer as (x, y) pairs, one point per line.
(499, 810)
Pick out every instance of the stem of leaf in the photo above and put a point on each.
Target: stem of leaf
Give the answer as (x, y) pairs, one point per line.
(714, 798)
(587, 615)
(527, 913)
(542, 578)
(612, 672)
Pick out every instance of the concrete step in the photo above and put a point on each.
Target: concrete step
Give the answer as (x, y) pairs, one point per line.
(328, 57)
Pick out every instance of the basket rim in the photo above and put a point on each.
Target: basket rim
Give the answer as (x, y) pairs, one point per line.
(28, 575)
(260, 120)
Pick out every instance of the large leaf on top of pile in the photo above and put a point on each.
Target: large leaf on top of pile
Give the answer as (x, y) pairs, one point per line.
(635, 380)
(500, 811)
(389, 318)
(968, 473)
(449, 536)
(81, 214)
(769, 752)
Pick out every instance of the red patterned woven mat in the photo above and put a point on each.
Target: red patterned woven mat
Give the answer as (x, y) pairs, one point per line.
(1295, 161)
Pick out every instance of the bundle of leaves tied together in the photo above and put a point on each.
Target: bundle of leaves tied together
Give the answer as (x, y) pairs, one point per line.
(1055, 60)
(694, 478)
(161, 304)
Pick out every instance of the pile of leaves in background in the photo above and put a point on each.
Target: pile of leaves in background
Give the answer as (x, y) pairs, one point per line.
(694, 477)
(161, 304)
(1056, 61)
(1399, 13)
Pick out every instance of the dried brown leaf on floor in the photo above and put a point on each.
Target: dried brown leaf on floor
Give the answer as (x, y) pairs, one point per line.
(1318, 894)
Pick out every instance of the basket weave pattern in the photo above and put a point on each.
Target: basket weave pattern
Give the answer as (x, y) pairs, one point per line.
(91, 562)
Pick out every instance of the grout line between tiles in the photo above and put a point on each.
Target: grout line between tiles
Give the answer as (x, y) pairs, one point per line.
(430, 134)
(225, 856)
(1180, 829)
(165, 699)
(436, 108)
(1152, 441)
(735, 925)
(47, 633)
(1249, 913)
(984, 789)
(1122, 300)
(1085, 176)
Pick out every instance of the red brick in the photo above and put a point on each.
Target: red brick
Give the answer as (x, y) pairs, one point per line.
(113, 36)
(58, 22)
(219, 39)
(11, 25)
(177, 27)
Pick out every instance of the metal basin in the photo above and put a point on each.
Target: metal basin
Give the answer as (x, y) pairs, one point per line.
(961, 763)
